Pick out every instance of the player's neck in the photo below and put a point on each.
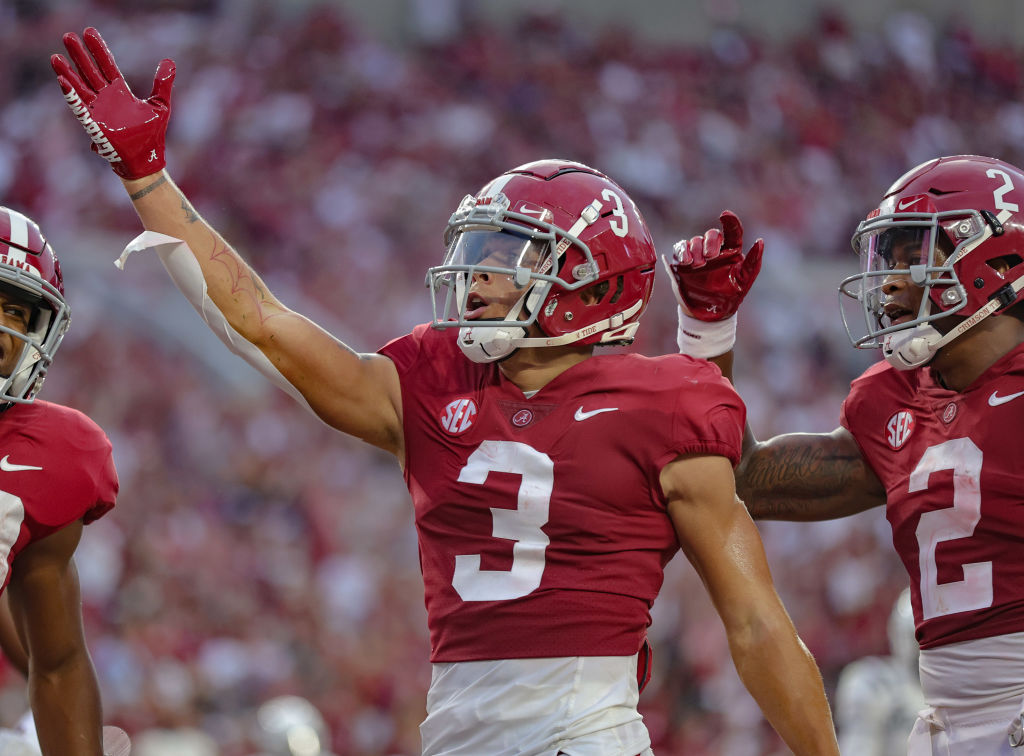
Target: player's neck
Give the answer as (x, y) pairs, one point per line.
(959, 364)
(531, 369)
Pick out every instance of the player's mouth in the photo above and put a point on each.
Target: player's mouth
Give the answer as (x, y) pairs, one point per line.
(897, 314)
(476, 307)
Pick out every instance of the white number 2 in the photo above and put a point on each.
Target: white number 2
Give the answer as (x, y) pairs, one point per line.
(964, 458)
(522, 524)
(998, 194)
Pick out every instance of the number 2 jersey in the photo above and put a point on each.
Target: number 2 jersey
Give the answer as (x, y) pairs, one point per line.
(951, 464)
(55, 467)
(543, 530)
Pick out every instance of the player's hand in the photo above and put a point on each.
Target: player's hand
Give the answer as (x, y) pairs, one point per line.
(125, 130)
(710, 275)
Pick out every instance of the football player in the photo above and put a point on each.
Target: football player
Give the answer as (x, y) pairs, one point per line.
(56, 475)
(927, 432)
(550, 486)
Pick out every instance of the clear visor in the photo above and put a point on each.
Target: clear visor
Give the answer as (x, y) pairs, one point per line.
(502, 252)
(896, 248)
(520, 260)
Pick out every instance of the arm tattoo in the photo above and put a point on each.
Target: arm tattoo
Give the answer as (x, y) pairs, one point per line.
(803, 477)
(191, 216)
(245, 284)
(147, 189)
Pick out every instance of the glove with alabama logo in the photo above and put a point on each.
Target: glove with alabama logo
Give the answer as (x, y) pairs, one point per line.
(126, 131)
(710, 278)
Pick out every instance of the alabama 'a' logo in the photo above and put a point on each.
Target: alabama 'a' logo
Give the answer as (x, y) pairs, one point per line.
(458, 416)
(899, 428)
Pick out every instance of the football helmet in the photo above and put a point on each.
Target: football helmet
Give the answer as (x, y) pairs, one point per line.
(557, 229)
(29, 269)
(952, 226)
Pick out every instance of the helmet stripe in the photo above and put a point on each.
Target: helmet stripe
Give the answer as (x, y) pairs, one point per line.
(19, 228)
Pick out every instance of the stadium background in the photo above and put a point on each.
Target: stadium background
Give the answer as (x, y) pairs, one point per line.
(254, 552)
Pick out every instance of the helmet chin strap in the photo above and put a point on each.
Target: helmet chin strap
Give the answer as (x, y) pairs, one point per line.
(488, 343)
(495, 343)
(492, 343)
(913, 347)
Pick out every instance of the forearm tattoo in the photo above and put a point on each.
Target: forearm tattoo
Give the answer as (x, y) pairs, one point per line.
(191, 216)
(800, 478)
(147, 189)
(245, 284)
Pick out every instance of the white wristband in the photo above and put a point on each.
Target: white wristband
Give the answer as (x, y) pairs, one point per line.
(700, 338)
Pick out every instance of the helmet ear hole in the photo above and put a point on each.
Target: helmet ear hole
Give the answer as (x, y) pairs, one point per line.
(1004, 263)
(620, 286)
(595, 294)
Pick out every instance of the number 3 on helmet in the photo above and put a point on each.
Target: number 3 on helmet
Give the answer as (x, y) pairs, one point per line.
(569, 237)
(30, 271)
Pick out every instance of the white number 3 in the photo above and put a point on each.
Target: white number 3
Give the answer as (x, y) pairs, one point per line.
(618, 212)
(522, 524)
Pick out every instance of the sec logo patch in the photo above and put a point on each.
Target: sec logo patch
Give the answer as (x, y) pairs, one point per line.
(458, 416)
(899, 428)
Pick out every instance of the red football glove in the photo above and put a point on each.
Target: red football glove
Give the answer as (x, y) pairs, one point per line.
(125, 130)
(710, 275)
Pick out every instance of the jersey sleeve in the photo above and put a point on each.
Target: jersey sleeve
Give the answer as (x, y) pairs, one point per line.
(710, 416)
(405, 351)
(79, 479)
(858, 411)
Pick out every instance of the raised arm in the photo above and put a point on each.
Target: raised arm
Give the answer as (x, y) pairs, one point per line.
(796, 476)
(47, 609)
(356, 393)
(722, 542)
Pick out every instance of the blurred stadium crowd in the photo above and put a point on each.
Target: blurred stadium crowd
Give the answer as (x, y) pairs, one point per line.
(253, 552)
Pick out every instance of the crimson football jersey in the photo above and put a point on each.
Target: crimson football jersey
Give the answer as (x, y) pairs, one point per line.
(951, 466)
(55, 467)
(543, 530)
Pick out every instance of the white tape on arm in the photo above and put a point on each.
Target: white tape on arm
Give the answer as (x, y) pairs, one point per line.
(699, 338)
(184, 270)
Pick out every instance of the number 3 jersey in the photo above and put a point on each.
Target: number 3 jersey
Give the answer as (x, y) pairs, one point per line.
(543, 530)
(951, 464)
(55, 468)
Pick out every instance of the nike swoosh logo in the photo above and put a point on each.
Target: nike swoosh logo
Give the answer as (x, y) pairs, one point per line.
(995, 400)
(904, 204)
(581, 415)
(7, 466)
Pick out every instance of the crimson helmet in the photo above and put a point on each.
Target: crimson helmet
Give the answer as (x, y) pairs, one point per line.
(558, 228)
(963, 213)
(30, 270)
